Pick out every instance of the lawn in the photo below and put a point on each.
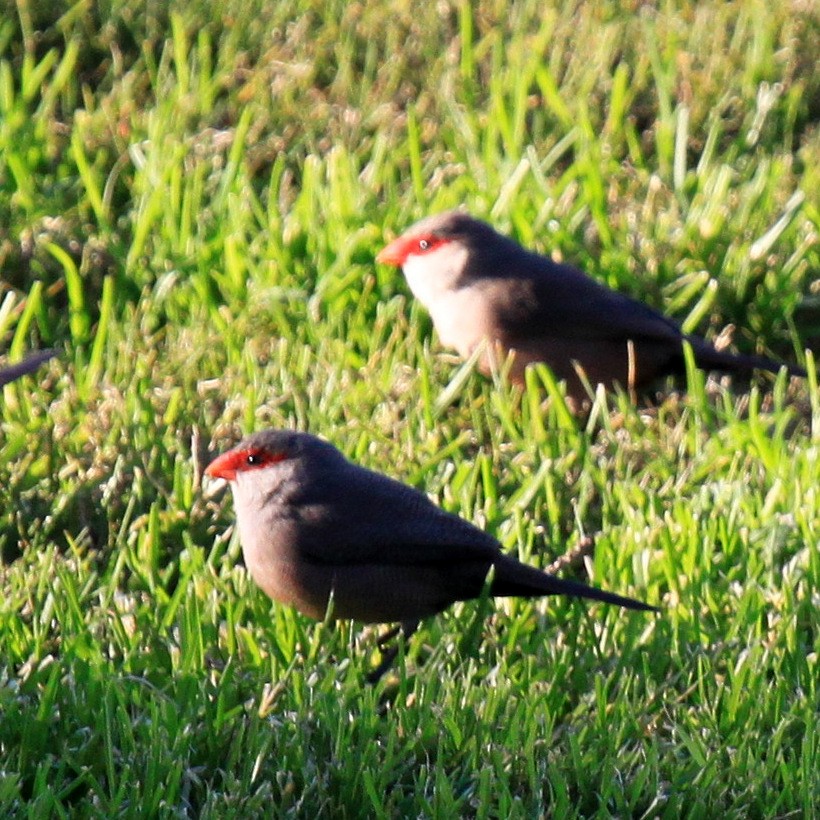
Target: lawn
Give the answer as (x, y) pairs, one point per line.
(190, 208)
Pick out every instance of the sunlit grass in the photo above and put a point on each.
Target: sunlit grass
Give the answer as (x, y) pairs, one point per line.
(190, 208)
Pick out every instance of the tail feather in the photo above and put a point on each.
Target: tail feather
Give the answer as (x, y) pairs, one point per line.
(512, 578)
(707, 356)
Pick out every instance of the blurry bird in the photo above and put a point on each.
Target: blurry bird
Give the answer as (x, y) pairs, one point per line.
(481, 287)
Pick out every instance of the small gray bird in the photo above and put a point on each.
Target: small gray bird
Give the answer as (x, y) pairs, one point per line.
(27, 365)
(311, 523)
(480, 286)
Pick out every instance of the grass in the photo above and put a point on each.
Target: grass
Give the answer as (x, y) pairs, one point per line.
(190, 206)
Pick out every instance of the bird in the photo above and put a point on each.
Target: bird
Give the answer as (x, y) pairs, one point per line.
(313, 526)
(27, 365)
(483, 288)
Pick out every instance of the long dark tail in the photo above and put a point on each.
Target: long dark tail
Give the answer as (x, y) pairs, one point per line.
(512, 578)
(708, 358)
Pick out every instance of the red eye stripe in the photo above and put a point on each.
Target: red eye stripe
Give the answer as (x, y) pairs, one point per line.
(235, 461)
(398, 250)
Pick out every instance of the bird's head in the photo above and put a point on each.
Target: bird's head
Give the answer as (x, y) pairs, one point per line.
(264, 462)
(442, 253)
(432, 236)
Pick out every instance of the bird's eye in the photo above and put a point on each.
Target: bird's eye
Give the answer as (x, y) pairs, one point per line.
(423, 244)
(252, 459)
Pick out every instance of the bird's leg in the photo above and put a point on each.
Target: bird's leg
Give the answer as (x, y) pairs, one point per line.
(407, 628)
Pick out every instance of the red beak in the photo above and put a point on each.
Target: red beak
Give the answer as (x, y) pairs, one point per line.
(224, 466)
(394, 254)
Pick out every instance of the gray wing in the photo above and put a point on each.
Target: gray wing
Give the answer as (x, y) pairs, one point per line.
(564, 302)
(374, 519)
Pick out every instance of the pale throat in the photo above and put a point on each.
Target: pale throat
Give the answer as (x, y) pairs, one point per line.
(459, 313)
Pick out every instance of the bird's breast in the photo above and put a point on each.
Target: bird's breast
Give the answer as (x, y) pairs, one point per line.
(290, 582)
(463, 319)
